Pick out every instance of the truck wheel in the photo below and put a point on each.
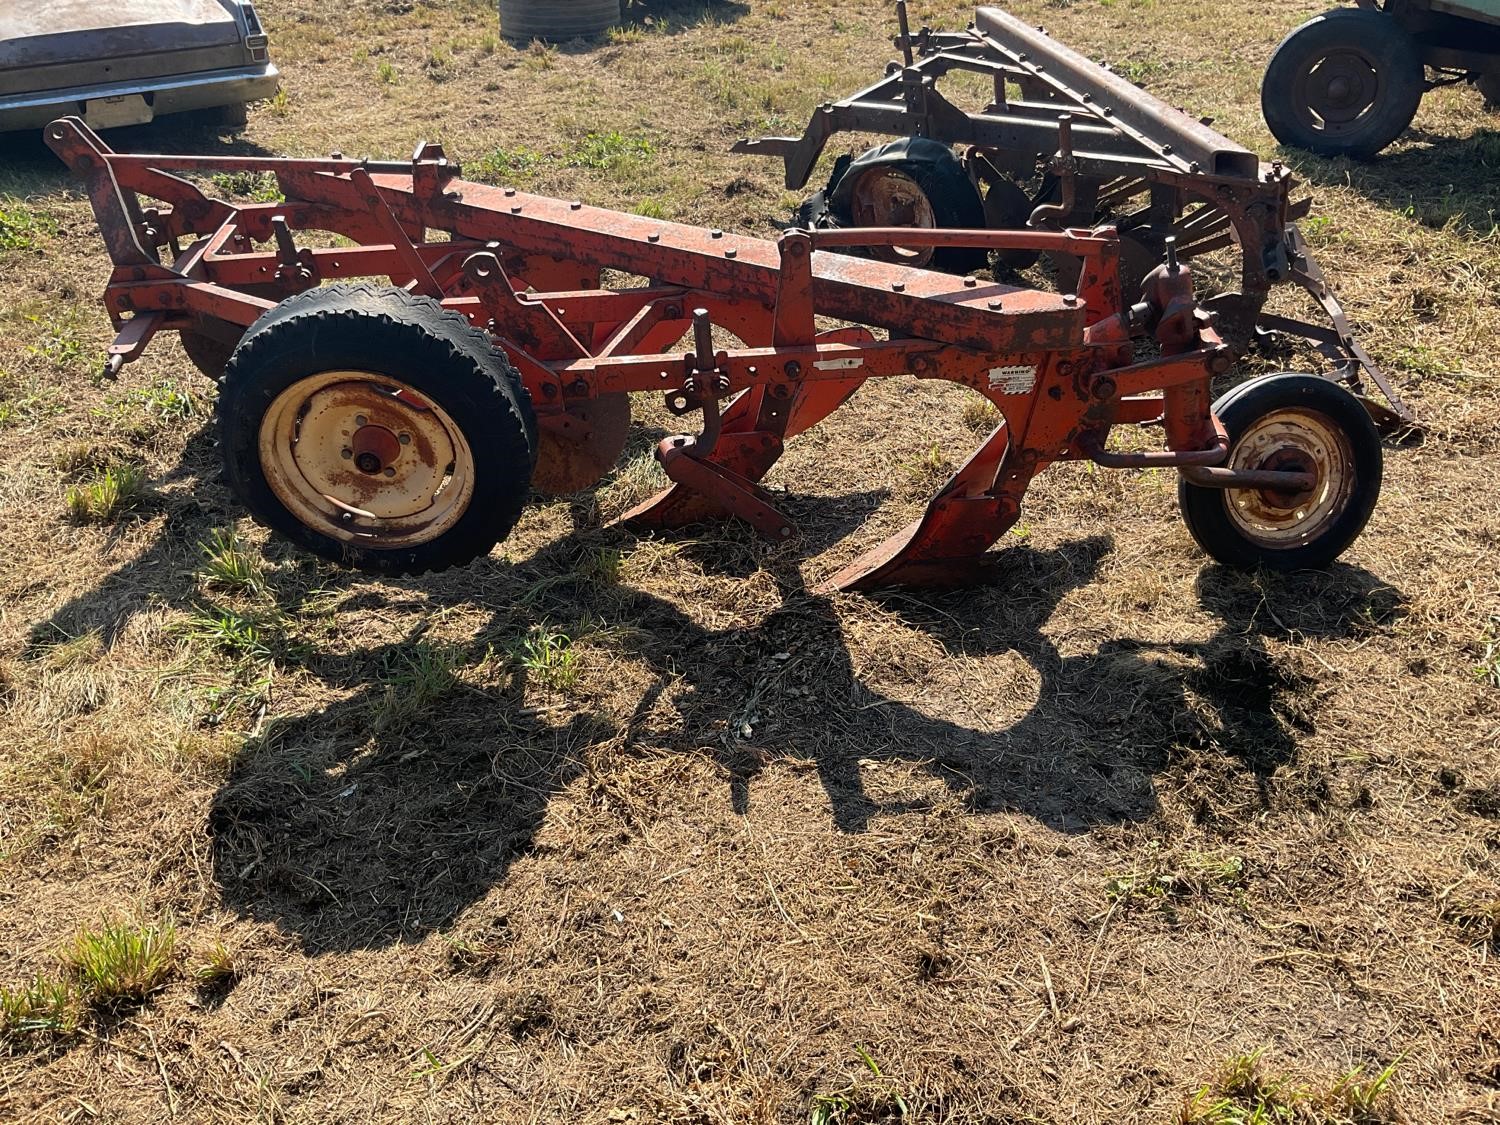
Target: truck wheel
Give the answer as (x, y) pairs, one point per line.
(377, 430)
(1297, 423)
(914, 182)
(1346, 83)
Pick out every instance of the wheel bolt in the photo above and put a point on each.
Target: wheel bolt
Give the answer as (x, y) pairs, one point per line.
(347, 453)
(390, 472)
(360, 420)
(404, 439)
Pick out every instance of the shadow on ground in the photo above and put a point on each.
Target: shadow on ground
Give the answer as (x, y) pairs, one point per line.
(348, 836)
(367, 821)
(1437, 181)
(28, 167)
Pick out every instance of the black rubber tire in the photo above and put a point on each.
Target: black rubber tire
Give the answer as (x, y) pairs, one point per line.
(938, 173)
(1489, 88)
(414, 339)
(1376, 39)
(1206, 510)
(522, 21)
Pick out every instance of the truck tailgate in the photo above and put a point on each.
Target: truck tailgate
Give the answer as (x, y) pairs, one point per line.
(71, 42)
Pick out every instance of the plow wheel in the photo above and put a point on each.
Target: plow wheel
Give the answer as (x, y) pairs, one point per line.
(377, 430)
(567, 464)
(1289, 423)
(914, 182)
(888, 197)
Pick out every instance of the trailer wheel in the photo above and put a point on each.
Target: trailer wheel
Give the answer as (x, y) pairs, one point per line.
(914, 182)
(376, 429)
(1289, 422)
(1346, 83)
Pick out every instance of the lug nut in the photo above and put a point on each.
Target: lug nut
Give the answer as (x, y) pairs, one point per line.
(404, 439)
(360, 420)
(347, 453)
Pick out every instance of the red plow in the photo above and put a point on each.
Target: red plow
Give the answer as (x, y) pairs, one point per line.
(389, 401)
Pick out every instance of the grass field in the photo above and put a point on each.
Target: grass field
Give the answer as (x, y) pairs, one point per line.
(603, 829)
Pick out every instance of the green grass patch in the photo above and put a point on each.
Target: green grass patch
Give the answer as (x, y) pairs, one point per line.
(60, 341)
(229, 565)
(216, 968)
(1244, 1093)
(242, 635)
(412, 680)
(1167, 877)
(25, 400)
(255, 187)
(505, 162)
(117, 489)
(22, 227)
(608, 151)
(868, 1098)
(548, 657)
(123, 962)
(1487, 669)
(39, 1013)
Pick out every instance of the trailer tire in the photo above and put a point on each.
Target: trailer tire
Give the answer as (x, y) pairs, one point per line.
(1289, 421)
(376, 429)
(1346, 83)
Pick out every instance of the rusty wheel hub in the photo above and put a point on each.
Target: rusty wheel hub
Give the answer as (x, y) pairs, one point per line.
(884, 197)
(1304, 441)
(363, 458)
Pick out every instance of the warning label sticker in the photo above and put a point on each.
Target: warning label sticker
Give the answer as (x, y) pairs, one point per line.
(1019, 379)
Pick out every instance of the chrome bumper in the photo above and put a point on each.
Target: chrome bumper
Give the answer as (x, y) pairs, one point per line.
(135, 103)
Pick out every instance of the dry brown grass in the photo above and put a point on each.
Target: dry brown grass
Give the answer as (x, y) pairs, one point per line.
(1072, 847)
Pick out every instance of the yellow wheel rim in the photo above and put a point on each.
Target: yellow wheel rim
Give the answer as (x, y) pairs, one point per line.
(366, 459)
(1291, 441)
